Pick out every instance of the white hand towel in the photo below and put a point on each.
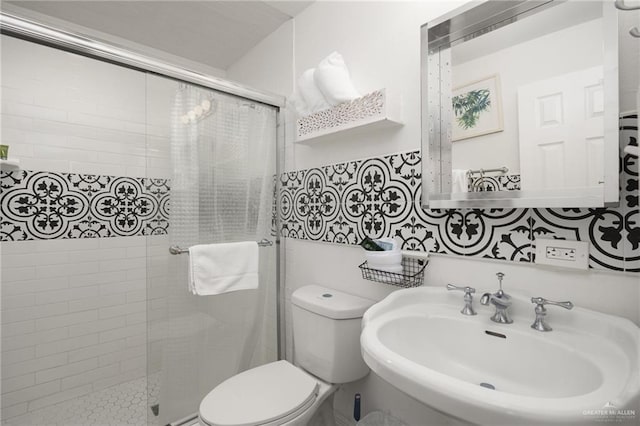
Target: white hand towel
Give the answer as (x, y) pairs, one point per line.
(222, 268)
(333, 79)
(459, 181)
(310, 92)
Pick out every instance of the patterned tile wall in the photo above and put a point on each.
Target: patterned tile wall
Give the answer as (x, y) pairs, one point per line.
(495, 183)
(45, 205)
(377, 197)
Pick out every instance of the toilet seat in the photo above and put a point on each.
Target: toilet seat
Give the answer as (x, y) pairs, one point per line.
(267, 395)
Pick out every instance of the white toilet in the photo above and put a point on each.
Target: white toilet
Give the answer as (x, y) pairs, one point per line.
(326, 341)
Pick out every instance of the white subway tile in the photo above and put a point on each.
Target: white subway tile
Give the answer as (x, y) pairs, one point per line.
(68, 154)
(66, 294)
(72, 269)
(120, 242)
(14, 410)
(136, 274)
(97, 326)
(33, 365)
(19, 382)
(122, 287)
(136, 318)
(58, 245)
(127, 354)
(119, 378)
(124, 332)
(33, 111)
(33, 286)
(63, 371)
(33, 259)
(66, 345)
(97, 278)
(20, 341)
(66, 320)
(138, 251)
(136, 296)
(18, 355)
(123, 264)
(17, 247)
(129, 308)
(16, 122)
(41, 139)
(97, 302)
(29, 393)
(34, 312)
(136, 172)
(97, 255)
(89, 377)
(12, 94)
(134, 363)
(16, 328)
(14, 137)
(138, 339)
(126, 159)
(59, 397)
(18, 274)
(96, 350)
(18, 301)
(50, 165)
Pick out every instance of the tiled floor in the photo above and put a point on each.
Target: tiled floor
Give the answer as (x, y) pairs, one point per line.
(124, 404)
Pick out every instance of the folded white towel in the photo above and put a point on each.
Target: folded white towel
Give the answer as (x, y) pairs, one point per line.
(333, 80)
(310, 93)
(459, 181)
(222, 268)
(296, 101)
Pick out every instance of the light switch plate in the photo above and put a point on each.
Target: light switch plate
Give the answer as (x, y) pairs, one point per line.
(563, 253)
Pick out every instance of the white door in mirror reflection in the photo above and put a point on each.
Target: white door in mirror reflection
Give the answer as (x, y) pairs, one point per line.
(561, 131)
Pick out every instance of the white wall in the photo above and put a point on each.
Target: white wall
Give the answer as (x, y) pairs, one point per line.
(74, 311)
(380, 42)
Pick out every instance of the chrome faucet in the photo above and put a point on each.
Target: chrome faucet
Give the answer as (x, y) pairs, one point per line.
(540, 324)
(468, 298)
(502, 302)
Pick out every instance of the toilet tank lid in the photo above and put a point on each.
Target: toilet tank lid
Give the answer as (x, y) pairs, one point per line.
(330, 303)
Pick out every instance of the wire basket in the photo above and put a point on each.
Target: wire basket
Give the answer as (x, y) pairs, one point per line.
(412, 273)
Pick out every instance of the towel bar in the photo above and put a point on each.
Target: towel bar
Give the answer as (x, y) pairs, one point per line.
(178, 250)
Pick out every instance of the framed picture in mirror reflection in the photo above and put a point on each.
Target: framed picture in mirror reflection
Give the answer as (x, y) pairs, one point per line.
(476, 108)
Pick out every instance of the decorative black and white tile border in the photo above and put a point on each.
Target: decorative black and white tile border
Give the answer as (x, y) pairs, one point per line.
(496, 183)
(44, 205)
(380, 197)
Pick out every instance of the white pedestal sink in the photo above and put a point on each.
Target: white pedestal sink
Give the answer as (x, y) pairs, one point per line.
(584, 371)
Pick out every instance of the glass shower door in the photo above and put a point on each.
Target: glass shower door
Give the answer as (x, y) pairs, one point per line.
(218, 153)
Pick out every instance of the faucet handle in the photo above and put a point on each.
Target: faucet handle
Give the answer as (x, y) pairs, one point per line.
(466, 289)
(540, 301)
(468, 298)
(540, 324)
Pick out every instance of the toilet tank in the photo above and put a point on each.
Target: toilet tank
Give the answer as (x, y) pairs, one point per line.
(326, 333)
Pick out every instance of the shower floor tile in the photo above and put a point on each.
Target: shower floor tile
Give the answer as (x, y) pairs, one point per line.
(120, 405)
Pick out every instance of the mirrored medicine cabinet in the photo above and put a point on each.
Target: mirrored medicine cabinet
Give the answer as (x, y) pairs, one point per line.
(520, 105)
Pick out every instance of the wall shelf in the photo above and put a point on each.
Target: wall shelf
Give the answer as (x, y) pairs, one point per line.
(377, 109)
(9, 165)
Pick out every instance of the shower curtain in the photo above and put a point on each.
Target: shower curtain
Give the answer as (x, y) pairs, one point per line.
(223, 156)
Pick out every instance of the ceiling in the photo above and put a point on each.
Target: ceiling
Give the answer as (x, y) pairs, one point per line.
(215, 33)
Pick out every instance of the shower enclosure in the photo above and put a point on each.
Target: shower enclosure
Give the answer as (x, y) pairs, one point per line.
(113, 158)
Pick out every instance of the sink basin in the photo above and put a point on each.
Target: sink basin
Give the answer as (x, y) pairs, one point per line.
(585, 370)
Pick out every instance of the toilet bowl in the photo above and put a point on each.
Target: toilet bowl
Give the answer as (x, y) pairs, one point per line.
(326, 335)
(277, 393)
